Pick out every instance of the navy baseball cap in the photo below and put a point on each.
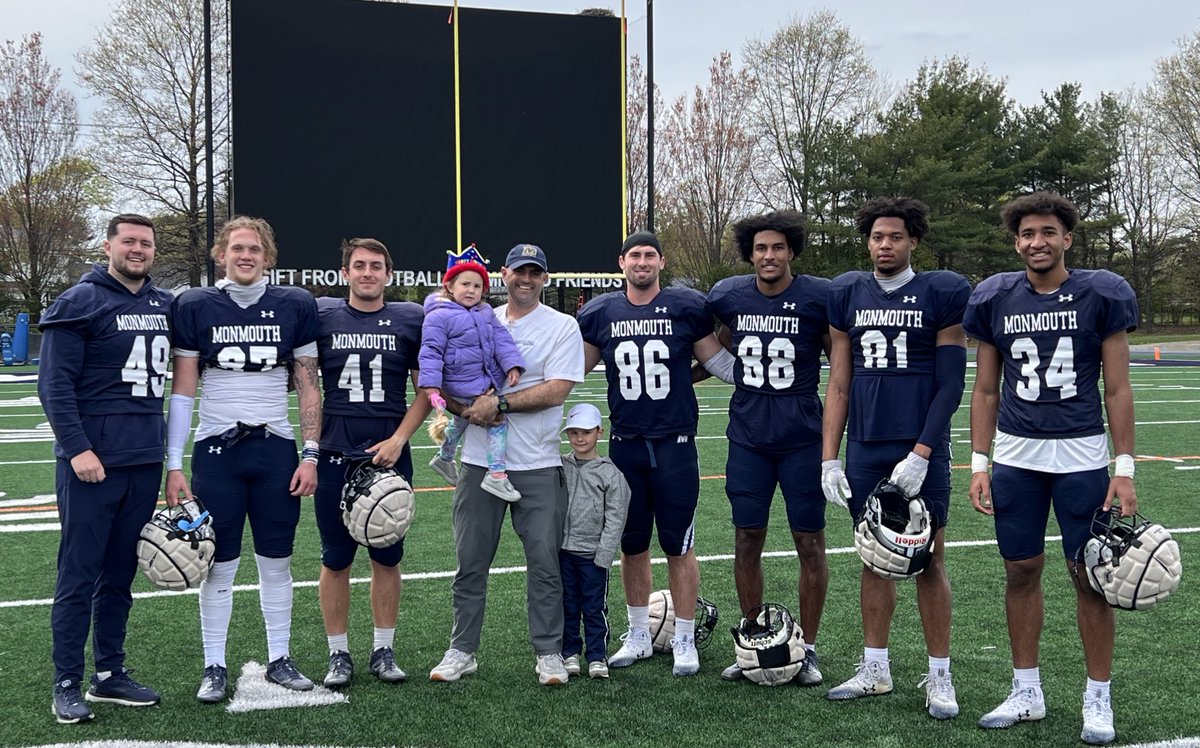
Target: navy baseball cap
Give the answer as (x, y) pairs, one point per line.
(526, 254)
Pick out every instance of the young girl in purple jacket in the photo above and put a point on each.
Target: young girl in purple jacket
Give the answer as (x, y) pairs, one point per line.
(466, 351)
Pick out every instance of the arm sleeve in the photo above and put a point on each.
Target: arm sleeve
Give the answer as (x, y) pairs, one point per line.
(616, 507)
(949, 371)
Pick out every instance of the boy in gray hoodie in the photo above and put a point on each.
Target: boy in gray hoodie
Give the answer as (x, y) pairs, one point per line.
(598, 502)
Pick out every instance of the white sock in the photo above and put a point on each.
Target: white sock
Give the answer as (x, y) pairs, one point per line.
(1100, 688)
(685, 628)
(384, 637)
(939, 664)
(216, 606)
(275, 598)
(106, 674)
(875, 654)
(1028, 678)
(810, 647)
(338, 642)
(639, 617)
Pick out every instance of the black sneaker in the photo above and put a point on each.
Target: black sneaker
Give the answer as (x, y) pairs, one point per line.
(341, 669)
(383, 665)
(212, 685)
(283, 672)
(68, 706)
(119, 688)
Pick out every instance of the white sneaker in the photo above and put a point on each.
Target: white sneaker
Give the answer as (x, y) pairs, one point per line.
(598, 669)
(550, 670)
(637, 646)
(687, 658)
(733, 672)
(1097, 721)
(940, 698)
(453, 666)
(870, 679)
(445, 468)
(1022, 705)
(500, 487)
(572, 665)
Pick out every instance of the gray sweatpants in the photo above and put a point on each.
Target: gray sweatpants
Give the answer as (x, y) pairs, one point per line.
(538, 520)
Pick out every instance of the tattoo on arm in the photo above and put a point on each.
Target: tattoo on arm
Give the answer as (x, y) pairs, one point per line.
(304, 371)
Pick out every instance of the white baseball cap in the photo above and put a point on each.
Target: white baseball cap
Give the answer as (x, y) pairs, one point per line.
(583, 416)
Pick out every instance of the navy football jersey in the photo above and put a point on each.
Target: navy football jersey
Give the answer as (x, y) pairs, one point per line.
(103, 373)
(893, 338)
(1050, 345)
(777, 343)
(365, 362)
(647, 352)
(257, 338)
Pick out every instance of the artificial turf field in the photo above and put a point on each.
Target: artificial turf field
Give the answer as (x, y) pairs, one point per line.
(1156, 693)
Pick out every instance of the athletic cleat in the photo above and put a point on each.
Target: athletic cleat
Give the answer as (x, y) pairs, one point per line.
(119, 688)
(550, 670)
(940, 698)
(870, 679)
(810, 671)
(1022, 705)
(341, 670)
(637, 646)
(598, 669)
(500, 487)
(445, 468)
(68, 706)
(687, 658)
(384, 667)
(283, 672)
(572, 665)
(454, 665)
(733, 672)
(213, 684)
(1097, 721)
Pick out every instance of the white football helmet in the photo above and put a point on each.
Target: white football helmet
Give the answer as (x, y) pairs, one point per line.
(1132, 562)
(377, 506)
(895, 534)
(769, 645)
(662, 620)
(177, 546)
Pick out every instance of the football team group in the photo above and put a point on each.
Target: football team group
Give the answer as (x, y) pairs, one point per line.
(895, 340)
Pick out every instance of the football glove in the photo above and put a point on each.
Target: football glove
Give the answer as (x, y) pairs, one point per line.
(909, 474)
(834, 483)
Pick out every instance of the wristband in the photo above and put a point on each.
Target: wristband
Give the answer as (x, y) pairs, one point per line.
(1124, 467)
(311, 444)
(979, 462)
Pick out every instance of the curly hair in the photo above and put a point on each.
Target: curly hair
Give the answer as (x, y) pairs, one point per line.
(790, 223)
(1040, 204)
(914, 213)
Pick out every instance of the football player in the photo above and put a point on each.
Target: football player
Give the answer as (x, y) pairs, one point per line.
(647, 336)
(368, 348)
(897, 368)
(242, 339)
(1052, 331)
(105, 348)
(776, 325)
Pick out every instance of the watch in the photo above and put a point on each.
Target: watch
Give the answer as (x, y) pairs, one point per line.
(502, 403)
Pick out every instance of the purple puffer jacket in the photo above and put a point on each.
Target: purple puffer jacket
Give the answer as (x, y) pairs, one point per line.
(464, 351)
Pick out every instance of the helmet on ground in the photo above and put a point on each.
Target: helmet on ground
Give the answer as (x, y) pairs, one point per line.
(769, 645)
(662, 620)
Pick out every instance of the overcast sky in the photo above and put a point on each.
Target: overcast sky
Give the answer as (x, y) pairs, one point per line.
(1106, 45)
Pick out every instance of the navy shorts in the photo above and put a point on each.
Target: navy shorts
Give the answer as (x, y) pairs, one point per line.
(248, 479)
(1022, 499)
(867, 463)
(664, 484)
(751, 477)
(337, 547)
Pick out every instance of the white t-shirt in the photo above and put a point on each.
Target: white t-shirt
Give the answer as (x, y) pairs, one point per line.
(552, 347)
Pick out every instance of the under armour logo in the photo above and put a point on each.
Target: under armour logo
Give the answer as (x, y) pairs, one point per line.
(336, 460)
(266, 314)
(155, 303)
(214, 450)
(660, 309)
(1066, 297)
(383, 322)
(910, 299)
(789, 305)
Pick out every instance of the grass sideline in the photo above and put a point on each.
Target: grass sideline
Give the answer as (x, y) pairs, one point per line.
(1155, 692)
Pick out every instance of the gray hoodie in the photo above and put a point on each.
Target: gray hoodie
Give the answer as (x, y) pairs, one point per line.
(598, 500)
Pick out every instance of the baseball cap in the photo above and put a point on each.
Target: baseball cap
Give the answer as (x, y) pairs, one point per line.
(526, 254)
(583, 416)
